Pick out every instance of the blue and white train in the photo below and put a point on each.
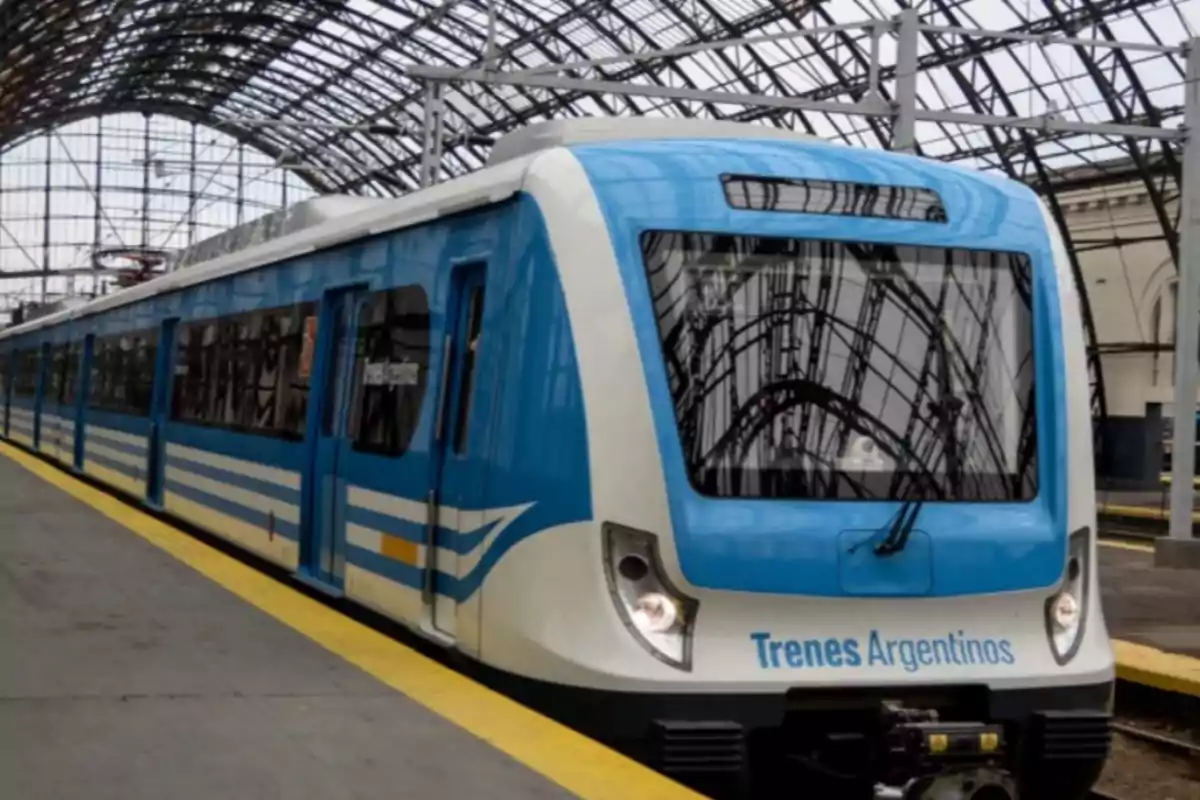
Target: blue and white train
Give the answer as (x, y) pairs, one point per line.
(718, 442)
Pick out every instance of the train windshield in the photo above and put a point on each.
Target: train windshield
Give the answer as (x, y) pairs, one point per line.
(847, 370)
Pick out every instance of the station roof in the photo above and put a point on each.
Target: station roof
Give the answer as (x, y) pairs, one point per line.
(344, 63)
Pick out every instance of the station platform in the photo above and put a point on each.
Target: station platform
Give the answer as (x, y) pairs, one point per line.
(138, 662)
(1153, 616)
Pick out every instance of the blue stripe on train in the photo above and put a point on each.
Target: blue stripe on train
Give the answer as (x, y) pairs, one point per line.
(399, 572)
(97, 437)
(256, 485)
(116, 466)
(268, 451)
(251, 516)
(460, 543)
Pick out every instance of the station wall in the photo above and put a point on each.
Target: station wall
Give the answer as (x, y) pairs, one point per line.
(1132, 291)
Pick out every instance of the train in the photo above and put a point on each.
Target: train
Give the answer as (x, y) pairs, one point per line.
(763, 459)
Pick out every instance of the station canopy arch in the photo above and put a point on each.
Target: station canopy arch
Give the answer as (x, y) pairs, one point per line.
(328, 82)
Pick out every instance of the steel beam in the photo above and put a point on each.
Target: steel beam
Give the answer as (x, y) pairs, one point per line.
(865, 108)
(1043, 39)
(263, 122)
(431, 150)
(904, 104)
(1187, 325)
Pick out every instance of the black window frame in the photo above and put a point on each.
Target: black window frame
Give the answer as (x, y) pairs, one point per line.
(1026, 482)
(833, 198)
(27, 365)
(123, 370)
(221, 365)
(402, 337)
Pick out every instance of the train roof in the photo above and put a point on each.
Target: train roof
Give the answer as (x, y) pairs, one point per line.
(593, 130)
(486, 186)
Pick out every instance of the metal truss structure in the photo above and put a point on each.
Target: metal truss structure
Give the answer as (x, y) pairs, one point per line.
(388, 95)
(97, 202)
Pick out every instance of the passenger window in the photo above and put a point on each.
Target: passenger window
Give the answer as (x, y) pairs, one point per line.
(122, 378)
(245, 372)
(467, 385)
(71, 373)
(54, 374)
(391, 364)
(26, 372)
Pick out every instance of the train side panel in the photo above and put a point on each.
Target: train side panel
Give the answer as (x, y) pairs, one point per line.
(244, 488)
(534, 568)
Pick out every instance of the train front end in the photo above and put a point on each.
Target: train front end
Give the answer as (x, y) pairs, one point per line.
(844, 483)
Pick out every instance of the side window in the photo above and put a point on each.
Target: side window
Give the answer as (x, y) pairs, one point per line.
(3, 377)
(248, 372)
(391, 365)
(54, 374)
(122, 377)
(25, 378)
(71, 373)
(467, 391)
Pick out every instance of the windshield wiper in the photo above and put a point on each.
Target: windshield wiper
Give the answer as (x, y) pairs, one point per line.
(901, 530)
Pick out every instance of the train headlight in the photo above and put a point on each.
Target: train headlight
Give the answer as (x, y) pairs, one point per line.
(659, 616)
(1065, 612)
(1066, 609)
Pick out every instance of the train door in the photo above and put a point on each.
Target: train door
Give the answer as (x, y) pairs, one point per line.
(52, 401)
(40, 401)
(451, 493)
(83, 391)
(160, 401)
(4, 359)
(58, 432)
(322, 556)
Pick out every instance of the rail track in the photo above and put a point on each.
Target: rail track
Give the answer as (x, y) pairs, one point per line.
(1162, 742)
(1167, 745)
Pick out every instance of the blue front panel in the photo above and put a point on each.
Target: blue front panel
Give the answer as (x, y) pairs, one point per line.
(792, 546)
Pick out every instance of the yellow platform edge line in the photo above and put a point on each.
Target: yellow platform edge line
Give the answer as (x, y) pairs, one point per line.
(1165, 479)
(1139, 663)
(575, 762)
(1120, 545)
(1138, 512)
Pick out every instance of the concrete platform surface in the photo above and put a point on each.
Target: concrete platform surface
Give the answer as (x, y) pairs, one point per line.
(1148, 605)
(125, 674)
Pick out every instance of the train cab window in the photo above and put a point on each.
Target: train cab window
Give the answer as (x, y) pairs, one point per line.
(803, 368)
(391, 363)
(246, 372)
(122, 378)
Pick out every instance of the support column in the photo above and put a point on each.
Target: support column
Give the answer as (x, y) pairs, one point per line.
(1187, 334)
(145, 181)
(192, 196)
(431, 151)
(241, 183)
(46, 210)
(904, 104)
(97, 216)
